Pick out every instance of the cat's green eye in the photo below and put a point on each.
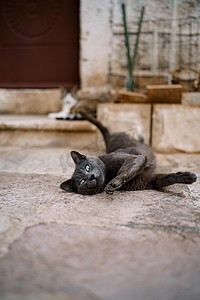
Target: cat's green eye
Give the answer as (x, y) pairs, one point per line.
(81, 181)
(87, 168)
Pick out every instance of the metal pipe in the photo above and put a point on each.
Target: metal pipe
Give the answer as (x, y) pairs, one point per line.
(138, 37)
(129, 85)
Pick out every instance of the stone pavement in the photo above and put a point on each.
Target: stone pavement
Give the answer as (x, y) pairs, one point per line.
(130, 245)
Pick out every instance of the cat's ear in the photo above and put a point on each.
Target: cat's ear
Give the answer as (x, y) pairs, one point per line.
(76, 156)
(67, 186)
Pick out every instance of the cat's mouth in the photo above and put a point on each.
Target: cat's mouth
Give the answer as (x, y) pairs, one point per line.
(93, 183)
(94, 186)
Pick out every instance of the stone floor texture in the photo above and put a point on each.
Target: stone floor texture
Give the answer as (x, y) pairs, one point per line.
(138, 245)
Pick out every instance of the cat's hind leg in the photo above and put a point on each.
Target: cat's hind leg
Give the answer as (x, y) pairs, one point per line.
(162, 180)
(131, 167)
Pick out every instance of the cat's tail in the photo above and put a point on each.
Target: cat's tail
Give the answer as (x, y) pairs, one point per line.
(104, 130)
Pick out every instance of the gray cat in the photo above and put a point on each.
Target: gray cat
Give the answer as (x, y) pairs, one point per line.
(128, 165)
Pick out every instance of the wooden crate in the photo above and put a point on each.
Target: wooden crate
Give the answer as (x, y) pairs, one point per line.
(129, 97)
(164, 93)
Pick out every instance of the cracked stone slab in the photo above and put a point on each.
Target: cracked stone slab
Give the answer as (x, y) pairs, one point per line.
(57, 161)
(142, 244)
(27, 199)
(82, 262)
(54, 161)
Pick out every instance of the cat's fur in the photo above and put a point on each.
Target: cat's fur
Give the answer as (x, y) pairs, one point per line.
(67, 103)
(128, 165)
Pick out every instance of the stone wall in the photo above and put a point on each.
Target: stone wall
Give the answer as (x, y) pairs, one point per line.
(167, 128)
(103, 55)
(95, 42)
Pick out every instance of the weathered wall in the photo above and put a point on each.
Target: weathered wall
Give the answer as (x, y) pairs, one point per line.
(95, 42)
(103, 54)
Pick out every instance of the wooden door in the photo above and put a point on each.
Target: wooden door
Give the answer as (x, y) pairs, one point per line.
(39, 43)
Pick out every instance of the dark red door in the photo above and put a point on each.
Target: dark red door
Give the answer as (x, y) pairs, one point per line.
(39, 43)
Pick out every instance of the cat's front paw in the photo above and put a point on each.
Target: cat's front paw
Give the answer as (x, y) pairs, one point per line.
(186, 177)
(112, 186)
(109, 189)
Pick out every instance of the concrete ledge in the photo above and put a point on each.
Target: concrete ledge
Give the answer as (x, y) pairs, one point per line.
(36, 122)
(176, 128)
(130, 118)
(132, 97)
(75, 140)
(39, 131)
(30, 101)
(192, 98)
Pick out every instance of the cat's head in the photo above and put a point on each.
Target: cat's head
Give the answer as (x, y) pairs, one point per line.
(88, 177)
(69, 99)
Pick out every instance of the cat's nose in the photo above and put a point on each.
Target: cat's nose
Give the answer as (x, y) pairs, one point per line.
(92, 177)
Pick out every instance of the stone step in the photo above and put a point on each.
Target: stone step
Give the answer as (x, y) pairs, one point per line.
(40, 131)
(30, 101)
(133, 119)
(191, 98)
(167, 127)
(176, 128)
